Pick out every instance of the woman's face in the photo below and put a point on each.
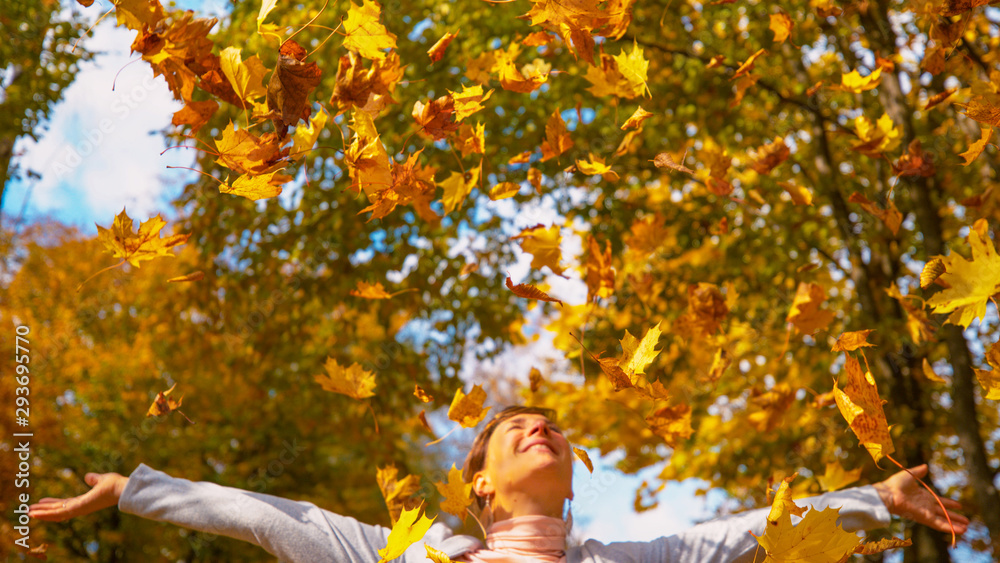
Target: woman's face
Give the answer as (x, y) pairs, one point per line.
(529, 453)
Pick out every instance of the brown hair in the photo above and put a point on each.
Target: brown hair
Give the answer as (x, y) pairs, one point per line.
(476, 459)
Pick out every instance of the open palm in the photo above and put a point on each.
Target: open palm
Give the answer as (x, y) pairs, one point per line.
(106, 489)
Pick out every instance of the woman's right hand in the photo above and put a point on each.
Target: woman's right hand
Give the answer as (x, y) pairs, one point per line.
(106, 489)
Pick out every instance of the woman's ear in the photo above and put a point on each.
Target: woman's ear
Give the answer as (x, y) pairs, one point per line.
(481, 485)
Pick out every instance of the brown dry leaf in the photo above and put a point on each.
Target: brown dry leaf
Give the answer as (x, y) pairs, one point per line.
(890, 216)
(805, 312)
(850, 341)
(706, 309)
(582, 454)
(163, 405)
(938, 98)
(957, 7)
(774, 404)
(535, 379)
(195, 114)
(437, 50)
(914, 162)
(419, 393)
(354, 381)
(437, 118)
(671, 423)
(357, 86)
(291, 84)
(529, 291)
(931, 271)
(770, 156)
(862, 408)
(664, 160)
(135, 247)
(881, 545)
(468, 410)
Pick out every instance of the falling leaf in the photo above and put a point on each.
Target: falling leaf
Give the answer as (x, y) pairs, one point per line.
(938, 98)
(355, 381)
(261, 186)
(366, 158)
(192, 277)
(557, 138)
(458, 186)
(436, 118)
(636, 119)
(989, 380)
(245, 153)
(364, 33)
(370, 291)
(671, 423)
(504, 190)
(770, 156)
(511, 78)
(881, 545)
(408, 530)
(930, 374)
(369, 88)
(535, 379)
(634, 68)
(145, 244)
(471, 140)
(437, 50)
(914, 162)
(39, 551)
(399, 494)
(850, 341)
(876, 138)
(456, 492)
(817, 538)
(773, 404)
(956, 7)
(195, 114)
(469, 101)
(305, 136)
(585, 458)
(543, 245)
(596, 165)
(706, 310)
(265, 9)
(862, 407)
(805, 312)
(600, 276)
(419, 393)
(977, 148)
(638, 354)
(855, 83)
(246, 77)
(664, 160)
(972, 282)
(836, 478)
(530, 292)
(799, 194)
(747, 65)
(468, 410)
(291, 84)
(138, 14)
(783, 505)
(931, 271)
(781, 25)
(163, 405)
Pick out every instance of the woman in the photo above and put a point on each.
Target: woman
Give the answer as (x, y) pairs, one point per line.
(520, 467)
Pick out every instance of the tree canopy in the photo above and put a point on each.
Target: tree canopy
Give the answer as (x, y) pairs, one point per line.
(743, 188)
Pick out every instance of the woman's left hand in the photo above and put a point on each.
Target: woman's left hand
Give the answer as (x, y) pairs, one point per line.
(907, 498)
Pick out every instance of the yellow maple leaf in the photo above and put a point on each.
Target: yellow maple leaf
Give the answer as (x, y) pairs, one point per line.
(557, 138)
(145, 244)
(261, 186)
(876, 138)
(458, 186)
(246, 77)
(972, 282)
(366, 158)
(600, 276)
(781, 25)
(977, 148)
(635, 120)
(370, 291)
(138, 14)
(584, 457)
(783, 504)
(245, 153)
(836, 477)
(855, 83)
(399, 494)
(850, 341)
(408, 530)
(634, 68)
(596, 165)
(364, 33)
(469, 101)
(816, 539)
(805, 313)
(437, 556)
(471, 140)
(353, 381)
(543, 245)
(799, 194)
(638, 354)
(503, 190)
(468, 410)
(511, 78)
(989, 380)
(862, 407)
(305, 136)
(774, 404)
(456, 492)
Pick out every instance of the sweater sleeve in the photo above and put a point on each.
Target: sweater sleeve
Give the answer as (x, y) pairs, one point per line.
(291, 531)
(728, 539)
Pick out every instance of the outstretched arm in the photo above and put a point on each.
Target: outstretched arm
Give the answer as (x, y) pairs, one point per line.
(906, 498)
(291, 531)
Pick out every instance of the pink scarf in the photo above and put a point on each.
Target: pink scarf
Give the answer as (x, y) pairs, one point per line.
(526, 538)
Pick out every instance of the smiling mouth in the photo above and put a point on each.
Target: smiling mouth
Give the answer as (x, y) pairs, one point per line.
(545, 447)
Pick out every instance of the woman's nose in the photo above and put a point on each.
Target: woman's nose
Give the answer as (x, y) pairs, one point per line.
(538, 427)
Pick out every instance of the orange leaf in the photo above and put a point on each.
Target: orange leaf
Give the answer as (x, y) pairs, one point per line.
(584, 457)
(671, 423)
(437, 50)
(192, 277)
(805, 313)
(456, 492)
(145, 244)
(557, 139)
(850, 341)
(291, 84)
(977, 148)
(862, 408)
(354, 381)
(530, 292)
(468, 410)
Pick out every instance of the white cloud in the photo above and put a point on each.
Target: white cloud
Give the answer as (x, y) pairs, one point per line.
(102, 148)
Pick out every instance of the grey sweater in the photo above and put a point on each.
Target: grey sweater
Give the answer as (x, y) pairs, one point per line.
(301, 532)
